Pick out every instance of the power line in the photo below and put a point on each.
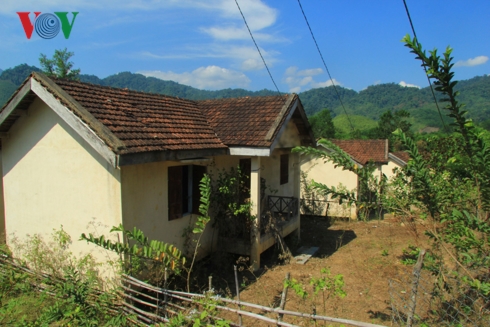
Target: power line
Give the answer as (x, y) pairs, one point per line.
(260, 53)
(330, 76)
(425, 68)
(326, 68)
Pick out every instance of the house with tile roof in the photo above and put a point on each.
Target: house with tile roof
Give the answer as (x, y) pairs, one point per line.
(90, 157)
(327, 173)
(396, 160)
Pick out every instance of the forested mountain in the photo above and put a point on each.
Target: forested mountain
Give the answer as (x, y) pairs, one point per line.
(376, 99)
(15, 76)
(370, 102)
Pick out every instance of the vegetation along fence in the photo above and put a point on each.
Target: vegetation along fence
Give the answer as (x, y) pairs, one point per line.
(425, 299)
(153, 304)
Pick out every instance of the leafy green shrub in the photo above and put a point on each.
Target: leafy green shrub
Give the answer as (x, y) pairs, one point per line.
(330, 286)
(50, 286)
(53, 257)
(450, 189)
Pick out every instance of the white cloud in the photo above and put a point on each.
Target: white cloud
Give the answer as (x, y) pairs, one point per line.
(310, 72)
(247, 57)
(480, 60)
(229, 33)
(252, 64)
(326, 83)
(208, 78)
(9, 7)
(258, 15)
(303, 79)
(218, 19)
(404, 84)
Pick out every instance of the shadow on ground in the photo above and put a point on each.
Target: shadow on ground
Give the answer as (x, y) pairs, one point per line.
(315, 232)
(220, 265)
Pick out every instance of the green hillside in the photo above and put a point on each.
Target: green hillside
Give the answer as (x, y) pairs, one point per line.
(376, 99)
(135, 82)
(369, 103)
(343, 123)
(7, 88)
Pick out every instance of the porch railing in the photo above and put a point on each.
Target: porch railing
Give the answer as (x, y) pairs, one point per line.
(286, 206)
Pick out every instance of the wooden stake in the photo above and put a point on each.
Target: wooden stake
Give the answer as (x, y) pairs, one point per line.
(283, 296)
(415, 284)
(237, 296)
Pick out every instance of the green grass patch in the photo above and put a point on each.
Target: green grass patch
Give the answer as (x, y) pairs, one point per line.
(361, 123)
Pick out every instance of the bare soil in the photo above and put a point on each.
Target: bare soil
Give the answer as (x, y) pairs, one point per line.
(366, 254)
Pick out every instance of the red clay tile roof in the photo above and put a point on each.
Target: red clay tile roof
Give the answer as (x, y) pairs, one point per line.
(245, 121)
(404, 156)
(131, 122)
(144, 121)
(364, 151)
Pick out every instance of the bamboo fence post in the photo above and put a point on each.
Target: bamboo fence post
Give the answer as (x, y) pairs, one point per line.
(237, 295)
(165, 286)
(415, 284)
(283, 296)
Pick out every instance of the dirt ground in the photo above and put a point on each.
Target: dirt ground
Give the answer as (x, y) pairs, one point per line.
(366, 254)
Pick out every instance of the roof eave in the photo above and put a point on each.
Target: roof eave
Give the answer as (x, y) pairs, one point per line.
(168, 155)
(40, 86)
(397, 160)
(78, 110)
(292, 105)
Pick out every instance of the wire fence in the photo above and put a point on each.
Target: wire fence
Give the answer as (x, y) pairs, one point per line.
(423, 299)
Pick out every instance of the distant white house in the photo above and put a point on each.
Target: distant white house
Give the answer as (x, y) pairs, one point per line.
(398, 160)
(361, 152)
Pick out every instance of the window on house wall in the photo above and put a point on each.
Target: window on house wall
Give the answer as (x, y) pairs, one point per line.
(246, 170)
(183, 190)
(284, 169)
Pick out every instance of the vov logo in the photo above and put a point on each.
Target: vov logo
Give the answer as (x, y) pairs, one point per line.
(47, 25)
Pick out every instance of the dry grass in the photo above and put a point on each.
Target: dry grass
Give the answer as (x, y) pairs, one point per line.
(367, 254)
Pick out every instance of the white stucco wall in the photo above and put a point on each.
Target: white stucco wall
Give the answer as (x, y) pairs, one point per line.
(325, 173)
(53, 178)
(289, 137)
(145, 206)
(388, 169)
(287, 140)
(2, 207)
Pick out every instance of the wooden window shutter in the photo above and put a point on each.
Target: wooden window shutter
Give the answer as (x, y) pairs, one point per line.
(284, 169)
(175, 192)
(246, 171)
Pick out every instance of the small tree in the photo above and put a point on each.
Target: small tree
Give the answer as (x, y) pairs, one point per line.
(59, 66)
(390, 122)
(322, 124)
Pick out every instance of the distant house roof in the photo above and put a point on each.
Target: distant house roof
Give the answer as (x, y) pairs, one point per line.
(132, 123)
(400, 157)
(364, 151)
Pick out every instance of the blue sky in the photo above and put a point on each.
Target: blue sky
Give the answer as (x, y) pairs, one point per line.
(205, 44)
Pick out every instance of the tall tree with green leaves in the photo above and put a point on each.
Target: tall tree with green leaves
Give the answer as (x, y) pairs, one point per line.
(60, 65)
(322, 124)
(390, 122)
